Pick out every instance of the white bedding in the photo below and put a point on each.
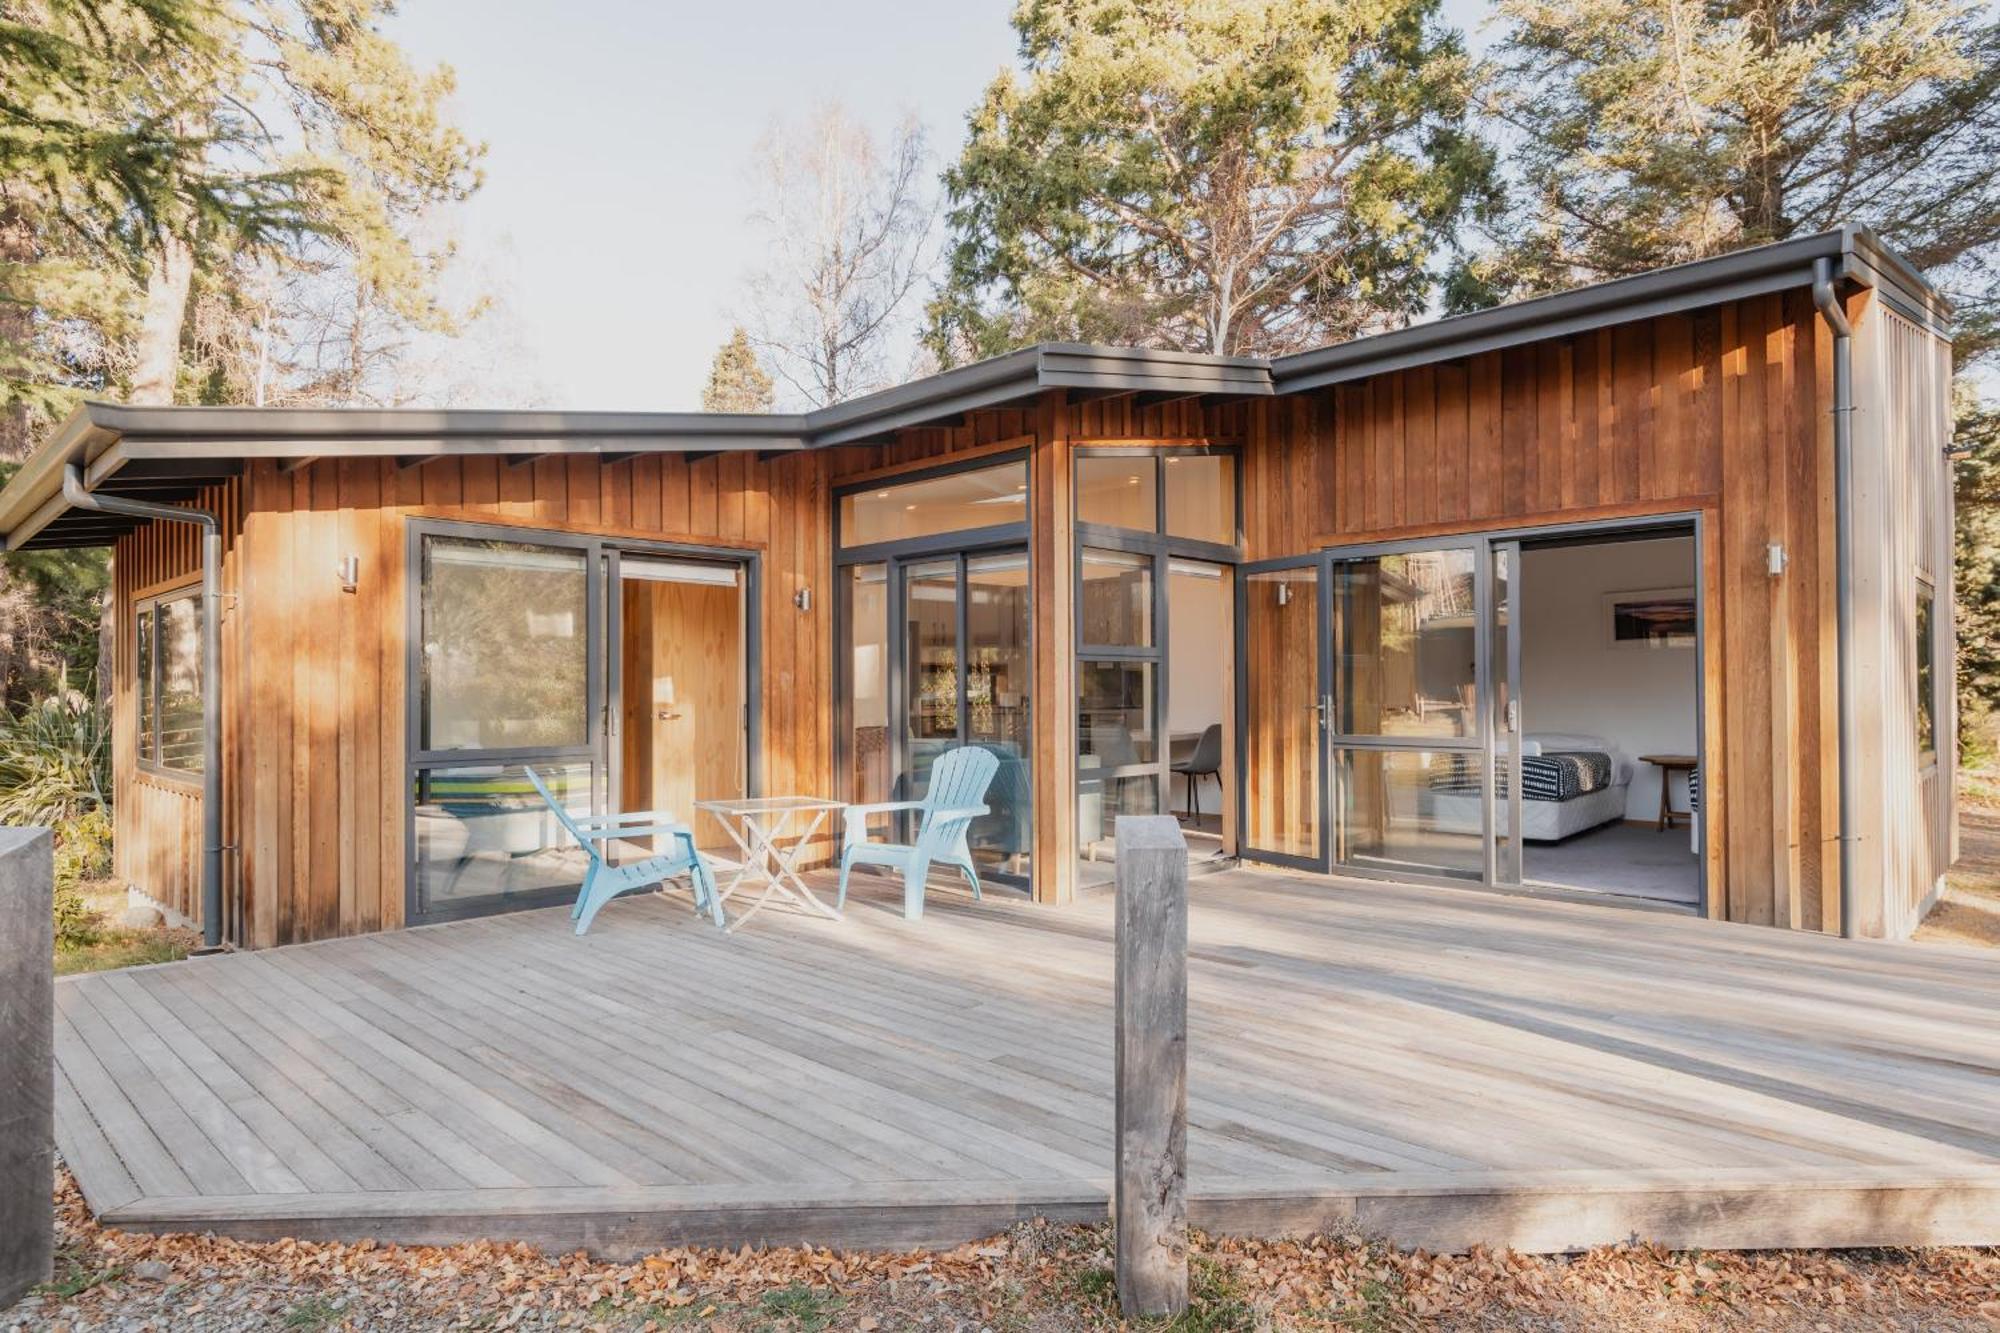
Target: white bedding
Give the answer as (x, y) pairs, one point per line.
(1541, 821)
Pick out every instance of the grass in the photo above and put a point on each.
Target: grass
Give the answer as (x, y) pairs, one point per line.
(117, 945)
(75, 1274)
(806, 1309)
(312, 1313)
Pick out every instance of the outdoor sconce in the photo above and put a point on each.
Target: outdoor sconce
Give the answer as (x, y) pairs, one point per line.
(1775, 559)
(1284, 594)
(349, 570)
(803, 599)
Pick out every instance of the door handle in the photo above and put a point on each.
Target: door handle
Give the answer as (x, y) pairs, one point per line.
(666, 716)
(1322, 709)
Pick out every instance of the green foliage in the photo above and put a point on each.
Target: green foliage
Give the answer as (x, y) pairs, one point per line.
(1976, 566)
(801, 1307)
(1654, 131)
(51, 604)
(55, 761)
(1243, 176)
(737, 382)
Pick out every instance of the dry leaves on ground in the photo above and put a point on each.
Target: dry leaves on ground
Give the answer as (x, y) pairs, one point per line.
(1037, 1279)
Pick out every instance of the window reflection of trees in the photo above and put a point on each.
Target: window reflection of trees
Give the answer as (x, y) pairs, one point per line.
(505, 658)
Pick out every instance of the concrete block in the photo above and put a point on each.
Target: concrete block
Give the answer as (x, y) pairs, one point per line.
(27, 1060)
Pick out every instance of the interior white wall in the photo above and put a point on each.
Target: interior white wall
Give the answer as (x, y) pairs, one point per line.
(1199, 630)
(1641, 699)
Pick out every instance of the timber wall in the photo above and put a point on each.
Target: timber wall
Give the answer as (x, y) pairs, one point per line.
(1720, 412)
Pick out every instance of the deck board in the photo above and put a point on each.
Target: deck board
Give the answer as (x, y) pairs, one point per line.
(1446, 1067)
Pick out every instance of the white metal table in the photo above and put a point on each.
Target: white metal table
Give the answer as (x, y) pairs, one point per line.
(771, 831)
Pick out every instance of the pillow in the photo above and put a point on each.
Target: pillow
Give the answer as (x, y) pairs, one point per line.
(1555, 742)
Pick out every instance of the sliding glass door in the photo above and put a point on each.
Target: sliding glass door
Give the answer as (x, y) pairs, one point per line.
(1367, 709)
(621, 674)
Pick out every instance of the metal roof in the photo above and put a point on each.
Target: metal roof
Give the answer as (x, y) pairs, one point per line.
(172, 453)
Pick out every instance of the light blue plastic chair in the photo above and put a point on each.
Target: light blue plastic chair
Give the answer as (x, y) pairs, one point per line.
(955, 798)
(604, 881)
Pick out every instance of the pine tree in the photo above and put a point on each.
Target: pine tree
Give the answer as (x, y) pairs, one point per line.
(1655, 131)
(736, 381)
(1241, 176)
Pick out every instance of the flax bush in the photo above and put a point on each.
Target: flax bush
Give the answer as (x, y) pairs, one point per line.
(55, 770)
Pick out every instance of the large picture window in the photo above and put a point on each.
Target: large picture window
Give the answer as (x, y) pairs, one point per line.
(167, 681)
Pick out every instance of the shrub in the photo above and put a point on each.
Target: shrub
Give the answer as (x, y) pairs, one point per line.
(55, 760)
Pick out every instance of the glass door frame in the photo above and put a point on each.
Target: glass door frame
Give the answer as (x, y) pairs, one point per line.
(1321, 704)
(1161, 549)
(894, 557)
(1502, 869)
(749, 565)
(601, 665)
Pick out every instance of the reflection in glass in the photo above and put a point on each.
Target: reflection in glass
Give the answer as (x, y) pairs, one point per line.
(1118, 491)
(1115, 713)
(930, 669)
(144, 685)
(866, 659)
(981, 498)
(1410, 812)
(1100, 798)
(1201, 497)
(483, 833)
(505, 659)
(179, 663)
(1404, 645)
(1281, 771)
(1117, 598)
(996, 703)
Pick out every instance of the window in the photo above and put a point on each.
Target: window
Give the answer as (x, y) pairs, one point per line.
(988, 497)
(505, 658)
(1926, 676)
(1188, 494)
(1118, 491)
(168, 681)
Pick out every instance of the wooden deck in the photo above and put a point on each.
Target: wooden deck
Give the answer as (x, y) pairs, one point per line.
(1441, 1067)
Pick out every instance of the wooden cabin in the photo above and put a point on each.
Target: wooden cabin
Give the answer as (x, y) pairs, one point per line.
(1544, 598)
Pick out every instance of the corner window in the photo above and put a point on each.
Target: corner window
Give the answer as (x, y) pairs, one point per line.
(1926, 676)
(168, 681)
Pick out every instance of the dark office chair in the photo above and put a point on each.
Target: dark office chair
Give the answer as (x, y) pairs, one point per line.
(1205, 761)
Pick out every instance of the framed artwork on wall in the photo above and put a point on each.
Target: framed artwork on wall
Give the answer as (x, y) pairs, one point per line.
(1651, 618)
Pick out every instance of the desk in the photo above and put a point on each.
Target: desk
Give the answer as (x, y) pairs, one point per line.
(1669, 764)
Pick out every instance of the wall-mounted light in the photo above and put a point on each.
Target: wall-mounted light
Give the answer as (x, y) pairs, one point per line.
(803, 599)
(1284, 594)
(349, 570)
(1774, 559)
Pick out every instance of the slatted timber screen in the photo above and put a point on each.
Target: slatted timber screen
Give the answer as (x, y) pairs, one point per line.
(1720, 412)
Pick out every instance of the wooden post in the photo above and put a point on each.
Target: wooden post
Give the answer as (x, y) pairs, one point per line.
(1151, 1201)
(27, 1060)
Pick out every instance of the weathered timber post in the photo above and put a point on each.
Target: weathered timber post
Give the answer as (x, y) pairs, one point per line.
(1151, 1199)
(27, 1060)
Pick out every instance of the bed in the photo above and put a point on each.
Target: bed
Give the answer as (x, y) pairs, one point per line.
(1569, 783)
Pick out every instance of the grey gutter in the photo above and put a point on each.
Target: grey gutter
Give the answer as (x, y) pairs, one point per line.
(1856, 251)
(1020, 375)
(1835, 315)
(81, 497)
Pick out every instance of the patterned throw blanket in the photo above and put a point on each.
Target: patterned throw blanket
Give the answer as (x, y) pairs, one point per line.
(1544, 777)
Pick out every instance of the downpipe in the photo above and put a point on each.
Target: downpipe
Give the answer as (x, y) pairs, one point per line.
(1835, 315)
(79, 495)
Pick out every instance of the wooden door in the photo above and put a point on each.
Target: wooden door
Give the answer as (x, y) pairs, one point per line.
(682, 683)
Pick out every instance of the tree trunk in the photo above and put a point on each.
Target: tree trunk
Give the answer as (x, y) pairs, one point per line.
(17, 330)
(158, 364)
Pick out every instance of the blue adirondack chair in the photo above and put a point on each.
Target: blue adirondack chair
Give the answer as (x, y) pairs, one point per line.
(604, 881)
(955, 798)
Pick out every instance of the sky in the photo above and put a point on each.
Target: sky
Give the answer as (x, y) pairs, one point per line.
(612, 223)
